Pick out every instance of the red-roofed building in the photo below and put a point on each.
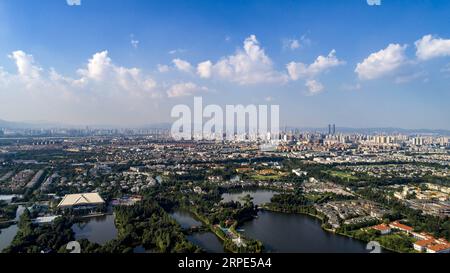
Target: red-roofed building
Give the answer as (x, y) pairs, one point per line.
(438, 248)
(402, 227)
(423, 244)
(383, 228)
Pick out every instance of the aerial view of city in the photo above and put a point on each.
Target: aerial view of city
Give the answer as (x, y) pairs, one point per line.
(251, 127)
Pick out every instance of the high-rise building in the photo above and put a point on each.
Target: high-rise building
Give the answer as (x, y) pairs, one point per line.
(334, 129)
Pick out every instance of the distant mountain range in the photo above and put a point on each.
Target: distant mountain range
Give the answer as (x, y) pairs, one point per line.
(49, 125)
(166, 125)
(29, 125)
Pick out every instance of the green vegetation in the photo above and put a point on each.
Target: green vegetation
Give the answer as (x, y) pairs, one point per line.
(343, 175)
(439, 227)
(148, 225)
(397, 242)
(7, 212)
(46, 238)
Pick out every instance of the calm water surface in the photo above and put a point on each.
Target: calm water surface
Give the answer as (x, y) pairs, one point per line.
(7, 234)
(259, 196)
(297, 233)
(208, 241)
(97, 229)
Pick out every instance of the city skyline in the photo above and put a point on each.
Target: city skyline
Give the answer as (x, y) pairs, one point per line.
(128, 65)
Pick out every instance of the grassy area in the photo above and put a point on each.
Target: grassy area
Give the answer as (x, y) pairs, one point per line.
(341, 174)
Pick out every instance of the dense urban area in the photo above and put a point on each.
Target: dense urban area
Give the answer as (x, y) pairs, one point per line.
(139, 185)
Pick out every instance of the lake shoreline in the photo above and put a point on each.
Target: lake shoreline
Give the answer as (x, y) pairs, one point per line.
(321, 219)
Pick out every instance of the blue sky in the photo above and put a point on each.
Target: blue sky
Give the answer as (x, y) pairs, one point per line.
(128, 62)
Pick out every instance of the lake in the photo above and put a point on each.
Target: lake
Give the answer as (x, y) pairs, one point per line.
(185, 219)
(279, 232)
(259, 196)
(98, 230)
(208, 241)
(7, 234)
(297, 233)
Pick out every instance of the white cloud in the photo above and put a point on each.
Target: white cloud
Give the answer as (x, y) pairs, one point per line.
(101, 71)
(98, 66)
(249, 65)
(185, 89)
(99, 75)
(294, 44)
(432, 47)
(73, 2)
(177, 51)
(25, 65)
(204, 69)
(321, 64)
(100, 92)
(182, 65)
(314, 87)
(163, 68)
(382, 63)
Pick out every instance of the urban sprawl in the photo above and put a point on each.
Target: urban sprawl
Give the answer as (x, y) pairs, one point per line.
(390, 188)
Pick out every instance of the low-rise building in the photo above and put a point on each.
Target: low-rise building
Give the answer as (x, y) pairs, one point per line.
(383, 228)
(81, 201)
(399, 226)
(439, 248)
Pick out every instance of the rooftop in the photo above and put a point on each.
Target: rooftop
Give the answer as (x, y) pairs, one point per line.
(398, 225)
(81, 199)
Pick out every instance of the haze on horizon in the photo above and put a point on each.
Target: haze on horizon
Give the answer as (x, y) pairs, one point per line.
(341, 62)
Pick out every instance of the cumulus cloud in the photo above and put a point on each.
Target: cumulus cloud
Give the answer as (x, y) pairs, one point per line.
(101, 71)
(321, 64)
(182, 65)
(26, 66)
(309, 72)
(430, 47)
(99, 75)
(185, 89)
(98, 66)
(314, 87)
(204, 69)
(249, 65)
(382, 63)
(99, 92)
